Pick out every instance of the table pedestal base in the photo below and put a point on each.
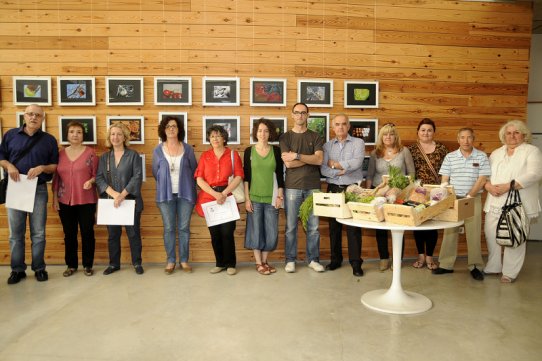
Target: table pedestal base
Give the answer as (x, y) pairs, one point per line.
(392, 301)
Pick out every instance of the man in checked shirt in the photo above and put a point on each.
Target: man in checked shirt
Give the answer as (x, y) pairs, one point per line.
(342, 166)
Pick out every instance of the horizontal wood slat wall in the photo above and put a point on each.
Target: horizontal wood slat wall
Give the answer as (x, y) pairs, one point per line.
(460, 63)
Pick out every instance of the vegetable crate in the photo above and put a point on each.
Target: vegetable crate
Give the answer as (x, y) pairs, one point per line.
(366, 211)
(330, 205)
(462, 208)
(407, 215)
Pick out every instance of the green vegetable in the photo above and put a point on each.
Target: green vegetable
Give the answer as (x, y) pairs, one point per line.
(397, 178)
(305, 211)
(353, 197)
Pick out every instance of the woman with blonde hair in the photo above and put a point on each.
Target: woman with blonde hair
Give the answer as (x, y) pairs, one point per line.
(388, 151)
(119, 177)
(522, 162)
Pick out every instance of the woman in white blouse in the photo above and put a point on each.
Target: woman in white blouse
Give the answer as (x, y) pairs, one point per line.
(515, 160)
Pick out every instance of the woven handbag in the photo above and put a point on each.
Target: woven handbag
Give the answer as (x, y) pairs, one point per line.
(513, 225)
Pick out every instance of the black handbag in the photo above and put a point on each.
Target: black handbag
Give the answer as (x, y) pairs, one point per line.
(513, 226)
(4, 181)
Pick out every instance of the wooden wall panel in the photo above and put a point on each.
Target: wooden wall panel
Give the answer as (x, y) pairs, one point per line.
(460, 63)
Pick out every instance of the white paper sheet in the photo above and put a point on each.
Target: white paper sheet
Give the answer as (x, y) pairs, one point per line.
(220, 213)
(21, 194)
(121, 216)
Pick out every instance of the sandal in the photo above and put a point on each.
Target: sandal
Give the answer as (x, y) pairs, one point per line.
(68, 272)
(269, 267)
(262, 269)
(419, 264)
(506, 279)
(169, 268)
(432, 265)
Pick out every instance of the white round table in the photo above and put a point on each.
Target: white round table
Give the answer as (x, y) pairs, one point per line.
(395, 300)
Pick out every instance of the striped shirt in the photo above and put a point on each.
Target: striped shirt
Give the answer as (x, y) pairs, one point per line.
(464, 172)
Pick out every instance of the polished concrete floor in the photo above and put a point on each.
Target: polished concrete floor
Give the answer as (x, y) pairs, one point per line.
(300, 316)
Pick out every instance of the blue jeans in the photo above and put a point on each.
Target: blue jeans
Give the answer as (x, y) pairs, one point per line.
(176, 216)
(293, 200)
(17, 232)
(262, 229)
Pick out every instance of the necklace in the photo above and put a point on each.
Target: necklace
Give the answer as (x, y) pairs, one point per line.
(390, 151)
(172, 159)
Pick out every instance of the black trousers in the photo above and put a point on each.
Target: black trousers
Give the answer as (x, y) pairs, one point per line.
(353, 235)
(82, 217)
(134, 236)
(224, 244)
(426, 241)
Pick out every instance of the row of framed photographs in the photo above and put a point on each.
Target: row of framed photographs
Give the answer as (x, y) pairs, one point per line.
(365, 129)
(217, 91)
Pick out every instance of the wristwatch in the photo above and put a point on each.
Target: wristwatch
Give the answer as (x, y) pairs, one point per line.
(333, 166)
(297, 156)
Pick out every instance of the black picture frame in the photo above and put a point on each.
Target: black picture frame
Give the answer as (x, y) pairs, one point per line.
(268, 92)
(88, 122)
(361, 94)
(173, 91)
(315, 92)
(366, 129)
(219, 91)
(32, 90)
(76, 91)
(124, 91)
(230, 123)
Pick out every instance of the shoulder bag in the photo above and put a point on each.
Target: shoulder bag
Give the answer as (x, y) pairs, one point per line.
(4, 181)
(513, 225)
(239, 191)
(433, 171)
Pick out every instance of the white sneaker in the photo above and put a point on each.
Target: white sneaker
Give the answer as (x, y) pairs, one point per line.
(290, 267)
(316, 266)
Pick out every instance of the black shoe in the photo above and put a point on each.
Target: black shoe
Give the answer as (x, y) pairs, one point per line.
(42, 275)
(110, 269)
(333, 266)
(476, 274)
(88, 271)
(139, 269)
(441, 271)
(357, 271)
(15, 277)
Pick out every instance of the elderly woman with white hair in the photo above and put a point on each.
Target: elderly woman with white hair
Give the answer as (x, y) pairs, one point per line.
(522, 162)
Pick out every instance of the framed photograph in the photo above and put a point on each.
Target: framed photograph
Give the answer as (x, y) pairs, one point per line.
(135, 123)
(172, 91)
(230, 123)
(360, 94)
(20, 120)
(280, 126)
(366, 129)
(88, 122)
(319, 122)
(124, 90)
(267, 92)
(220, 91)
(315, 92)
(76, 91)
(180, 116)
(32, 90)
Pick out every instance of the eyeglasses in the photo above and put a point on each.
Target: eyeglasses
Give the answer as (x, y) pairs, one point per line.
(31, 115)
(299, 113)
(215, 136)
(171, 126)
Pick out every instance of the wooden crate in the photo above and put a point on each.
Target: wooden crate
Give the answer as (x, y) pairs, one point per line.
(407, 215)
(366, 211)
(462, 208)
(330, 205)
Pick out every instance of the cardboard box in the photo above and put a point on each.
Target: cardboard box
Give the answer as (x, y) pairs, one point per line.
(330, 205)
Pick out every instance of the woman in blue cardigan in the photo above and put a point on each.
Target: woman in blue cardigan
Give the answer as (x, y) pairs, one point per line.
(173, 166)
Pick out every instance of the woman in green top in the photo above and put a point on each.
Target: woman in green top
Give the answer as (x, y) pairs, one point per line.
(263, 163)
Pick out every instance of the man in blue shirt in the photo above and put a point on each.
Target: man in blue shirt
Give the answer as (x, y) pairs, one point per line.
(467, 170)
(342, 166)
(39, 162)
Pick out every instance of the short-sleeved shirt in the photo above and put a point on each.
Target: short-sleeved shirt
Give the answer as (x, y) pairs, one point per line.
(464, 172)
(44, 152)
(307, 176)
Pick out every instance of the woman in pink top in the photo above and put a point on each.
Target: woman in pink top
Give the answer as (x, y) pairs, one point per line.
(74, 197)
